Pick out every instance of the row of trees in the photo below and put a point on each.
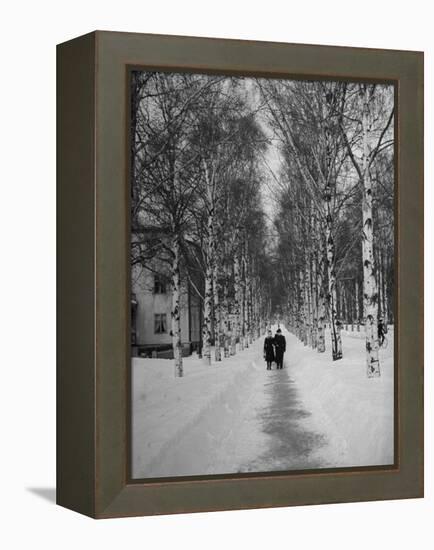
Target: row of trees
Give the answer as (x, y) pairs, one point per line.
(335, 206)
(200, 166)
(196, 204)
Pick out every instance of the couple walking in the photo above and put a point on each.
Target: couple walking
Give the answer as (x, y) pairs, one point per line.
(274, 348)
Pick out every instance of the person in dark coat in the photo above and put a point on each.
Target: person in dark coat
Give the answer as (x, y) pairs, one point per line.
(280, 348)
(269, 349)
(381, 331)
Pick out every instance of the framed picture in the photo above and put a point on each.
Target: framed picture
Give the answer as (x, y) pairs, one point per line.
(240, 274)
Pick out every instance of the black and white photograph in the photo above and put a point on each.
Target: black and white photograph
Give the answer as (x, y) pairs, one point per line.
(217, 255)
(262, 274)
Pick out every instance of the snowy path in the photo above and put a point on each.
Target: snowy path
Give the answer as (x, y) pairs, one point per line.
(235, 416)
(254, 422)
(274, 430)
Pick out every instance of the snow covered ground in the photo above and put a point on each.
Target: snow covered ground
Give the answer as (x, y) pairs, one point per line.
(355, 413)
(235, 416)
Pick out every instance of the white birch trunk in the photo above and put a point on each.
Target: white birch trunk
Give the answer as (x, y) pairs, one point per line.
(305, 308)
(238, 299)
(245, 303)
(252, 314)
(386, 289)
(344, 306)
(254, 308)
(225, 315)
(321, 298)
(340, 301)
(309, 299)
(209, 275)
(379, 279)
(207, 313)
(357, 301)
(332, 298)
(301, 315)
(176, 308)
(313, 279)
(250, 311)
(217, 314)
(314, 302)
(370, 293)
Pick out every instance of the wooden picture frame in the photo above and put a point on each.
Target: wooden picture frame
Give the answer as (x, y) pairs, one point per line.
(93, 275)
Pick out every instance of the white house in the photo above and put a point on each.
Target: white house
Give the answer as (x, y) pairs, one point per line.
(151, 315)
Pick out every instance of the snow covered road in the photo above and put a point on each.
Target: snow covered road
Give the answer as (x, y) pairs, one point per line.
(235, 416)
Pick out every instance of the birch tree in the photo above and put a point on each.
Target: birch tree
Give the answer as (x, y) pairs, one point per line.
(304, 118)
(225, 138)
(369, 110)
(164, 178)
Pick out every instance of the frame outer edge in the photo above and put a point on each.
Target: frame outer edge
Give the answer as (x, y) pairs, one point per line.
(113, 496)
(75, 408)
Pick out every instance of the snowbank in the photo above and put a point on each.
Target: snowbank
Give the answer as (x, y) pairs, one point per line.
(178, 422)
(353, 411)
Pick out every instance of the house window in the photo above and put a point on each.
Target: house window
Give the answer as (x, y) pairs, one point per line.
(159, 285)
(160, 323)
